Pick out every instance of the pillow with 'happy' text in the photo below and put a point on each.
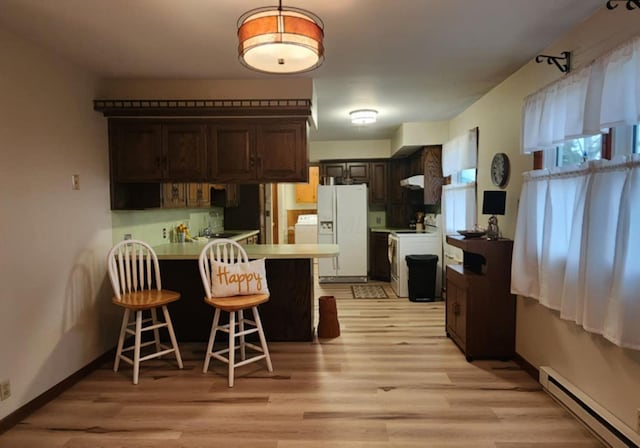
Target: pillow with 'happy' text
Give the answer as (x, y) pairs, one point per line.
(238, 278)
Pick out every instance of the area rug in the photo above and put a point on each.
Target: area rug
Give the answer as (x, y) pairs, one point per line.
(368, 292)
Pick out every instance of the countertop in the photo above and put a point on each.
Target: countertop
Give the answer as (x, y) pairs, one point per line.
(387, 229)
(191, 251)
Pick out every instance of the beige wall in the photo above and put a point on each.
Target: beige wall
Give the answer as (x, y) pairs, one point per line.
(609, 374)
(415, 134)
(349, 149)
(206, 88)
(55, 309)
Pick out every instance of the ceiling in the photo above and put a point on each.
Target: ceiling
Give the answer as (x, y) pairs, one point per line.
(412, 60)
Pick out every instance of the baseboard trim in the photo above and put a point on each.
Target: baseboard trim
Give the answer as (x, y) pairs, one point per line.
(527, 366)
(24, 411)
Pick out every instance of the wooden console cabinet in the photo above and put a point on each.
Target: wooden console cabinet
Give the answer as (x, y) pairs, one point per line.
(481, 311)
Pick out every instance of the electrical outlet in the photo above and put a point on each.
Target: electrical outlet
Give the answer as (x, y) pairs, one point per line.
(5, 390)
(127, 236)
(164, 233)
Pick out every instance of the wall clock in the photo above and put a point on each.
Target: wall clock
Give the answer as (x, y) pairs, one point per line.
(500, 170)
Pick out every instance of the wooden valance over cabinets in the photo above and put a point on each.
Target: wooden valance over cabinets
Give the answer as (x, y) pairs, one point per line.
(203, 107)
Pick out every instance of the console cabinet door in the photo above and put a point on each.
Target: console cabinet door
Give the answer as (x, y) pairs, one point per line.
(281, 151)
(136, 152)
(231, 152)
(184, 152)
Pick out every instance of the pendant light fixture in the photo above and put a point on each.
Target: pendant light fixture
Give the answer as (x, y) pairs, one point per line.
(280, 40)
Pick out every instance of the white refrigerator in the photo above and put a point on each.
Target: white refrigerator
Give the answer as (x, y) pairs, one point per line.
(342, 220)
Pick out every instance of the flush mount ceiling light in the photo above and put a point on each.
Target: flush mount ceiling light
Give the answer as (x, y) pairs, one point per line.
(363, 116)
(280, 40)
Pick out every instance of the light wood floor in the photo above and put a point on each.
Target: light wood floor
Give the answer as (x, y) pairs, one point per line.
(392, 379)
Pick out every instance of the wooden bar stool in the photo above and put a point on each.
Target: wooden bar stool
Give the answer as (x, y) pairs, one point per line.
(135, 276)
(219, 260)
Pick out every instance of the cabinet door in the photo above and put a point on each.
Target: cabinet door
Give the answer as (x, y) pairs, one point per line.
(333, 169)
(231, 152)
(416, 163)
(379, 261)
(307, 192)
(378, 183)
(198, 195)
(232, 193)
(184, 152)
(457, 309)
(136, 152)
(432, 174)
(281, 152)
(398, 170)
(174, 195)
(358, 171)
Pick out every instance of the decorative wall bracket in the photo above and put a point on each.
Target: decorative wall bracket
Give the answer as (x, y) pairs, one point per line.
(631, 4)
(562, 62)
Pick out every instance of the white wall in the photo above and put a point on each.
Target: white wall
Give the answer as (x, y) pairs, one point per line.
(609, 374)
(56, 314)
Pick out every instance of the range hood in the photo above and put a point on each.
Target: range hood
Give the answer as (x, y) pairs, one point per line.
(413, 182)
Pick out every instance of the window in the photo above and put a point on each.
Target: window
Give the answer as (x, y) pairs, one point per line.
(466, 176)
(624, 140)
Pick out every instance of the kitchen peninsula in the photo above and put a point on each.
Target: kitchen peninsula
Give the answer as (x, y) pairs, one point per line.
(288, 316)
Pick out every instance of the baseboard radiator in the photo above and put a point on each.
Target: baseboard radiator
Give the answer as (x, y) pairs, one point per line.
(604, 424)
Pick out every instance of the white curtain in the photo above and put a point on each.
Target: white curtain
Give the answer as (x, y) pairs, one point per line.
(575, 248)
(460, 153)
(459, 212)
(604, 94)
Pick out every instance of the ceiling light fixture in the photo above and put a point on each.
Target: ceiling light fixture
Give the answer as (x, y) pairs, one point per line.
(363, 116)
(280, 40)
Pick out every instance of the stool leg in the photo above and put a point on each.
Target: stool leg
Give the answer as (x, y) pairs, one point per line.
(136, 348)
(232, 346)
(123, 332)
(243, 355)
(263, 340)
(212, 338)
(172, 335)
(156, 333)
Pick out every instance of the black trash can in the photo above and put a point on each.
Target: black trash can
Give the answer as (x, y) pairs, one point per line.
(422, 277)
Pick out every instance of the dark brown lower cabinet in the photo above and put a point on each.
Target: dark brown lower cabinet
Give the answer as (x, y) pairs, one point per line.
(481, 311)
(379, 266)
(287, 316)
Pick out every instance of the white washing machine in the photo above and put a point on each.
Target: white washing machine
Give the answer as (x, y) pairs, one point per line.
(306, 229)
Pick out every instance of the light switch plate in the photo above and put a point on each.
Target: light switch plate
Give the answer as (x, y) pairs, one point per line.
(75, 182)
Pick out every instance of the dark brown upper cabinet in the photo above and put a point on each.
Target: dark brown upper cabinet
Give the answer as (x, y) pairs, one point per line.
(378, 178)
(136, 152)
(258, 151)
(232, 152)
(184, 152)
(154, 152)
(433, 180)
(281, 151)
